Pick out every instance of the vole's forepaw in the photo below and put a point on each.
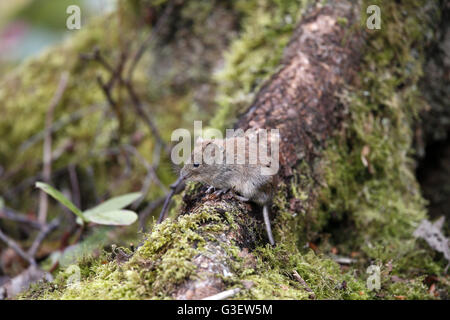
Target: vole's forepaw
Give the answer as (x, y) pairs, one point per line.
(210, 189)
(220, 192)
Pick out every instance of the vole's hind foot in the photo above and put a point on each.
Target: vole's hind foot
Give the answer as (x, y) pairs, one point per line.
(220, 192)
(267, 224)
(240, 198)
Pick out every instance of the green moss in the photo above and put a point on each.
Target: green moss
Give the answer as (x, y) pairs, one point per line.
(162, 262)
(371, 188)
(273, 277)
(165, 260)
(342, 21)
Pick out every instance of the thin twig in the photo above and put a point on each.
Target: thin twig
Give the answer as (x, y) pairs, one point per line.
(143, 215)
(146, 44)
(91, 181)
(27, 182)
(342, 259)
(46, 230)
(162, 214)
(59, 124)
(175, 187)
(138, 106)
(47, 154)
(304, 284)
(146, 164)
(12, 215)
(151, 172)
(116, 74)
(107, 92)
(95, 55)
(156, 156)
(223, 295)
(76, 195)
(13, 245)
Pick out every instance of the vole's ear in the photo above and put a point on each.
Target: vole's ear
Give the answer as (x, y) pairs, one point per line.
(206, 142)
(218, 144)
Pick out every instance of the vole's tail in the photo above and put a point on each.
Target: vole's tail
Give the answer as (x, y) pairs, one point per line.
(267, 223)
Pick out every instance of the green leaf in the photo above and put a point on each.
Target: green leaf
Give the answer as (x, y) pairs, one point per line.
(113, 204)
(61, 198)
(113, 218)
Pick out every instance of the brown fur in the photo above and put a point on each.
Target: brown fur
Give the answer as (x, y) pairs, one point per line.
(246, 179)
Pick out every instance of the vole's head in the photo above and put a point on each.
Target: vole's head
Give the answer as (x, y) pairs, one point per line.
(203, 160)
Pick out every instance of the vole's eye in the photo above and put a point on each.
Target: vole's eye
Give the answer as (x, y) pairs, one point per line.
(196, 165)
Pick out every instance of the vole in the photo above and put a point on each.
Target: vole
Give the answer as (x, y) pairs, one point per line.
(246, 179)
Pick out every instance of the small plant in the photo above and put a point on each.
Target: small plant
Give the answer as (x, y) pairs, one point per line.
(107, 213)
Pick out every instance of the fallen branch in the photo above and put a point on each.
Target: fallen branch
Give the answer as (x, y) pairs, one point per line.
(176, 187)
(162, 22)
(304, 284)
(47, 153)
(223, 295)
(46, 230)
(143, 215)
(7, 213)
(13, 245)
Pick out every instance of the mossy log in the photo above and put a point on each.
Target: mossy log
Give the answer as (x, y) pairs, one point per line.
(301, 101)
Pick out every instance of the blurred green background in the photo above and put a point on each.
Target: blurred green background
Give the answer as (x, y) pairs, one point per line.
(29, 26)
